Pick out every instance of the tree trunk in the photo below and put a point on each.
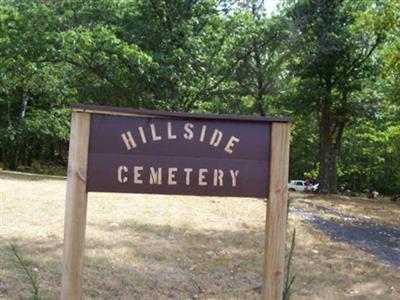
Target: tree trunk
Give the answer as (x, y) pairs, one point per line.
(332, 176)
(338, 132)
(331, 134)
(325, 147)
(259, 71)
(325, 165)
(15, 151)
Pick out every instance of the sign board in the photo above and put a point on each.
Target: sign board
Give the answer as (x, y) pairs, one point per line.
(177, 156)
(142, 151)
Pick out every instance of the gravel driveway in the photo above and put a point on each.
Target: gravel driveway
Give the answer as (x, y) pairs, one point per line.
(380, 240)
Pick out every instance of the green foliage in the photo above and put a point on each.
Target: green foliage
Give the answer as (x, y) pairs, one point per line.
(371, 154)
(333, 65)
(303, 151)
(335, 54)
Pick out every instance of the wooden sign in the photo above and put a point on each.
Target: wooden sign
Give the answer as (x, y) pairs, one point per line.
(178, 156)
(143, 151)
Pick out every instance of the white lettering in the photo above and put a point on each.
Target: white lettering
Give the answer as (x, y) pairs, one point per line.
(155, 176)
(122, 178)
(170, 135)
(216, 138)
(202, 182)
(218, 177)
(188, 131)
(137, 175)
(171, 176)
(230, 144)
(234, 175)
(203, 133)
(154, 133)
(188, 171)
(214, 177)
(141, 131)
(128, 140)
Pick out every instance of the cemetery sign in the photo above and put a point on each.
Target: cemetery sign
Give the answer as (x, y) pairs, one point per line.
(123, 150)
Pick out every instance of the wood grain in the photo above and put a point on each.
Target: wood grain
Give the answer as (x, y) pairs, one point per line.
(275, 231)
(76, 206)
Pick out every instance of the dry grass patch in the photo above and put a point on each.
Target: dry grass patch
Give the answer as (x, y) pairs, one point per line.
(170, 247)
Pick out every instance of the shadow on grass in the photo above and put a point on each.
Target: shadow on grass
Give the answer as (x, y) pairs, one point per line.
(145, 261)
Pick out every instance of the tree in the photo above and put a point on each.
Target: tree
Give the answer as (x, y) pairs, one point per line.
(28, 88)
(257, 40)
(333, 44)
(123, 53)
(371, 152)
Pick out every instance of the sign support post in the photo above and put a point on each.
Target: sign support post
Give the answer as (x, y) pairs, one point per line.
(76, 206)
(275, 227)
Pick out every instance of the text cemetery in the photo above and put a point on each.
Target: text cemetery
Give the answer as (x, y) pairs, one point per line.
(201, 177)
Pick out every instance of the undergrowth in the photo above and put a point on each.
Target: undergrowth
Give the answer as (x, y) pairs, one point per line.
(25, 269)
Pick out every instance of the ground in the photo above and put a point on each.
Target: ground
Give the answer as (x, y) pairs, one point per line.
(169, 247)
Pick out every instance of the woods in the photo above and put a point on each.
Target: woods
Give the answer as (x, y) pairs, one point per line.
(332, 65)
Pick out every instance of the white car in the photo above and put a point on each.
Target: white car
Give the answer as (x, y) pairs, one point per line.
(301, 186)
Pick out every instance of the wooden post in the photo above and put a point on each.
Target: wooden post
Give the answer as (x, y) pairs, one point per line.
(75, 208)
(275, 231)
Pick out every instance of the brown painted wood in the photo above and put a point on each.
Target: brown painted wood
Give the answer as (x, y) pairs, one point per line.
(108, 151)
(275, 231)
(76, 206)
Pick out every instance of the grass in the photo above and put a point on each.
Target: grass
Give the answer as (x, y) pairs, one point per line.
(173, 247)
(27, 272)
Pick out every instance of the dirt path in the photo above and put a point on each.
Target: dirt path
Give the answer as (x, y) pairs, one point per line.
(380, 240)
